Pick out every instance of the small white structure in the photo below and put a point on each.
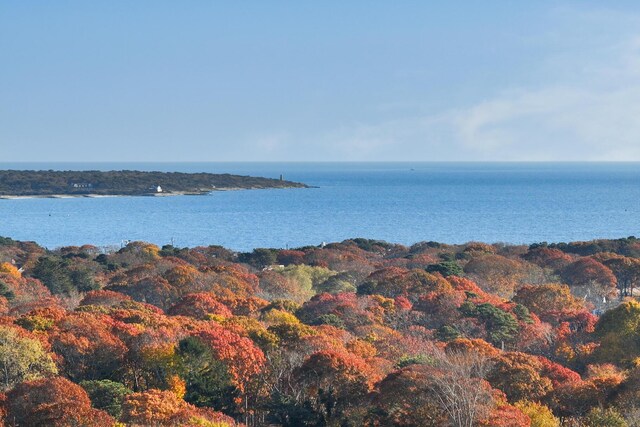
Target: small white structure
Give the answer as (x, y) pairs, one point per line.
(158, 189)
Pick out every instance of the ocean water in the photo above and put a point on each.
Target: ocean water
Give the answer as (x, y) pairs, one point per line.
(398, 202)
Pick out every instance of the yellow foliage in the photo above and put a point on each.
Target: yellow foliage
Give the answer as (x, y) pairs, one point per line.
(162, 355)
(152, 407)
(22, 359)
(152, 250)
(584, 350)
(362, 348)
(35, 323)
(201, 422)
(252, 328)
(216, 318)
(177, 385)
(277, 317)
(10, 269)
(242, 322)
(540, 415)
(371, 337)
(564, 352)
(386, 303)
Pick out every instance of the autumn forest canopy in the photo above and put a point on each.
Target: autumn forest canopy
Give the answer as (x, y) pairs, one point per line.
(356, 333)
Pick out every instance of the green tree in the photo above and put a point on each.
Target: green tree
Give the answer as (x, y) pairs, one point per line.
(61, 276)
(501, 326)
(52, 272)
(208, 381)
(446, 268)
(342, 282)
(6, 292)
(259, 258)
(447, 333)
(329, 319)
(107, 395)
(619, 333)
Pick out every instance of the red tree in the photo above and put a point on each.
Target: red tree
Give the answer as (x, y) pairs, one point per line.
(53, 402)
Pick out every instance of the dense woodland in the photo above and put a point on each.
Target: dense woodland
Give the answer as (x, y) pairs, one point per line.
(357, 333)
(44, 183)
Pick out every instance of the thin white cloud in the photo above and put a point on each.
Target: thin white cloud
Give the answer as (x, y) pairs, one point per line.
(591, 115)
(272, 142)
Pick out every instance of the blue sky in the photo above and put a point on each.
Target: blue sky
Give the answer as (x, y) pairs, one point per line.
(308, 81)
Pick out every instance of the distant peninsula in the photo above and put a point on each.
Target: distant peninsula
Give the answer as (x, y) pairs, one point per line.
(50, 183)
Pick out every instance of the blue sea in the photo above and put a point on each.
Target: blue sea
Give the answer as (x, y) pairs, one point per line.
(398, 202)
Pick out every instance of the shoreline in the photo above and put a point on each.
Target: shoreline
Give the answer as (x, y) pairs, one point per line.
(167, 194)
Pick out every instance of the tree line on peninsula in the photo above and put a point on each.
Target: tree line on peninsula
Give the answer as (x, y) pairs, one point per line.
(356, 333)
(126, 182)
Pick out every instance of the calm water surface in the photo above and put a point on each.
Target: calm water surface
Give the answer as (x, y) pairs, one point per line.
(397, 202)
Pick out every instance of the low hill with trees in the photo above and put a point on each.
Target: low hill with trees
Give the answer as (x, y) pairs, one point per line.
(130, 183)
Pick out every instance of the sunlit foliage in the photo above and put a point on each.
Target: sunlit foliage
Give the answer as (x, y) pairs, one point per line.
(356, 333)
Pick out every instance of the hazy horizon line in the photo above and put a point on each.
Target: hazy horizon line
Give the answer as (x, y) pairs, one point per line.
(313, 161)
